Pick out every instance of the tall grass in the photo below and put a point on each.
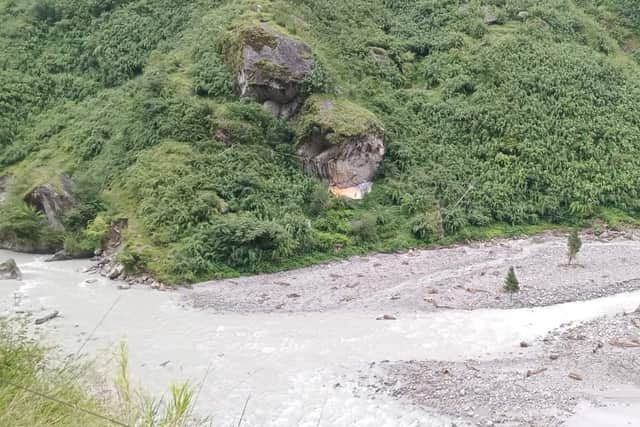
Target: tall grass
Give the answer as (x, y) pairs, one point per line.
(34, 393)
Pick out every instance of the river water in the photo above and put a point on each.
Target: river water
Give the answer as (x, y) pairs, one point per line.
(295, 369)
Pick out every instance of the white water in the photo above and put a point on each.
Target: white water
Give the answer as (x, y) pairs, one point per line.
(286, 364)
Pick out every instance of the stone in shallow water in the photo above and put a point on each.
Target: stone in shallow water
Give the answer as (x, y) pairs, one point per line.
(9, 270)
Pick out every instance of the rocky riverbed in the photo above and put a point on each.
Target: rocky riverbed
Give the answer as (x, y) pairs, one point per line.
(305, 348)
(463, 277)
(541, 384)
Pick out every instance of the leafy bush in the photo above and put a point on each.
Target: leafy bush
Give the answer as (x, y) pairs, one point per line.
(508, 125)
(364, 228)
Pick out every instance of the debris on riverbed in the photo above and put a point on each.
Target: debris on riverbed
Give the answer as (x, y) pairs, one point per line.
(48, 317)
(532, 372)
(575, 376)
(461, 278)
(497, 392)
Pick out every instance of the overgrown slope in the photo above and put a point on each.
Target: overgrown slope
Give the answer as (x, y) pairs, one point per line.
(532, 120)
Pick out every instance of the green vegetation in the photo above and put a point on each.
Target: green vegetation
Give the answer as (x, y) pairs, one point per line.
(35, 394)
(338, 119)
(490, 130)
(511, 283)
(574, 244)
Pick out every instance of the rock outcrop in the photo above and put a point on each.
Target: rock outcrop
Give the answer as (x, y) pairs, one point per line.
(51, 202)
(271, 68)
(9, 270)
(342, 144)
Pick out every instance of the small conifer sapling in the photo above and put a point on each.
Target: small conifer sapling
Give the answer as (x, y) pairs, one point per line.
(511, 283)
(574, 244)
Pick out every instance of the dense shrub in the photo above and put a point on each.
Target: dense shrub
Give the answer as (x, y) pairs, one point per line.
(530, 121)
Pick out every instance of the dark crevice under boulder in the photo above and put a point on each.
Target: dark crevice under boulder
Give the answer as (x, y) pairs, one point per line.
(271, 68)
(9, 270)
(342, 144)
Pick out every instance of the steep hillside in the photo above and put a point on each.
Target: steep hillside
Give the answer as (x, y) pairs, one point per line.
(471, 118)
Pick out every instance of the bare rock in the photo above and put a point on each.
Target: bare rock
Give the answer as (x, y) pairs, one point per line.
(575, 376)
(48, 317)
(271, 67)
(342, 144)
(61, 255)
(116, 271)
(491, 18)
(53, 200)
(9, 270)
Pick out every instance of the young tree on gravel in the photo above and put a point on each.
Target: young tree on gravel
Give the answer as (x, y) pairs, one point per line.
(511, 283)
(574, 244)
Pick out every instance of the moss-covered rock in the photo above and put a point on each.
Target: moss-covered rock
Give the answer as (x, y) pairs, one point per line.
(53, 200)
(271, 67)
(340, 142)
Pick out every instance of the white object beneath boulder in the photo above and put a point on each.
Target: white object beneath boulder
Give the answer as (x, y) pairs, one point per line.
(357, 192)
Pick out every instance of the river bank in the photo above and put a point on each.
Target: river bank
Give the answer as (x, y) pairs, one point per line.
(318, 359)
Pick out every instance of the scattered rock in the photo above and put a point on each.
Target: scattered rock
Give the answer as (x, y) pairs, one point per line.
(575, 376)
(598, 347)
(46, 318)
(271, 68)
(554, 357)
(116, 271)
(124, 286)
(90, 281)
(524, 344)
(631, 343)
(61, 255)
(523, 15)
(294, 295)
(532, 372)
(9, 270)
(490, 18)
(386, 317)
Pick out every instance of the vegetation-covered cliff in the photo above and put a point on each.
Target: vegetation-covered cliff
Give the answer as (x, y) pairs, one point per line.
(216, 126)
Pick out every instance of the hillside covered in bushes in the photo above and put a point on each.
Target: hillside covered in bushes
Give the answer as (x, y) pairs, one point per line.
(477, 118)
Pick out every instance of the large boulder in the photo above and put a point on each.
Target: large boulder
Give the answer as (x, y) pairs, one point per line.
(271, 67)
(342, 144)
(53, 200)
(9, 270)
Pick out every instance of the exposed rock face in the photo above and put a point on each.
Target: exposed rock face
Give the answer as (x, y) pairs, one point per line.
(46, 199)
(342, 144)
(9, 270)
(272, 67)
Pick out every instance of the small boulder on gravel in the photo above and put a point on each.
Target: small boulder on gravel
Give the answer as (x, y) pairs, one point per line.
(9, 270)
